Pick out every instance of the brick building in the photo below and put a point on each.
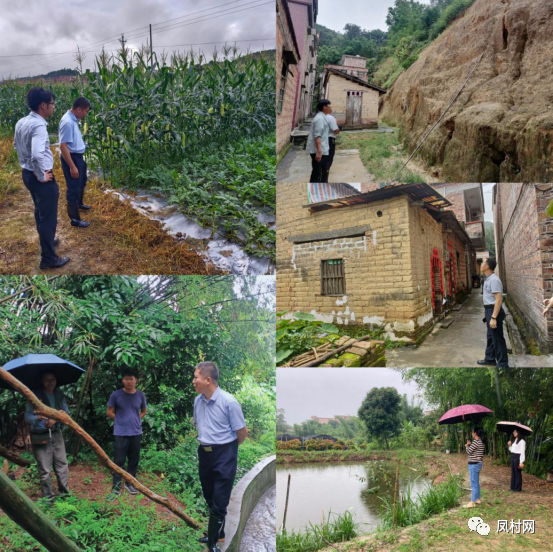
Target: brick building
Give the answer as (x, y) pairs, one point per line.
(385, 256)
(524, 242)
(354, 99)
(287, 59)
(325, 421)
(304, 17)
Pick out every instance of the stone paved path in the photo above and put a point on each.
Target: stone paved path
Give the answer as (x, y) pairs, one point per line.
(460, 346)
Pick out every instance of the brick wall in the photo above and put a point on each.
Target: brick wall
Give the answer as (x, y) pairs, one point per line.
(336, 92)
(387, 268)
(455, 194)
(525, 248)
(353, 61)
(285, 119)
(300, 20)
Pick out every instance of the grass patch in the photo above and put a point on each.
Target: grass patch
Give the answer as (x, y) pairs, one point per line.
(336, 528)
(382, 155)
(434, 500)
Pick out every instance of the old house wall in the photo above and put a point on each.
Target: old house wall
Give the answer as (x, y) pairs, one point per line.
(336, 92)
(285, 119)
(387, 268)
(525, 249)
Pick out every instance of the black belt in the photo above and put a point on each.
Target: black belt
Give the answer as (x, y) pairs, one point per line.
(211, 448)
(475, 463)
(488, 307)
(75, 153)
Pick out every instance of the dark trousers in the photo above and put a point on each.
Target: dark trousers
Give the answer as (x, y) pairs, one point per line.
(75, 186)
(496, 350)
(45, 197)
(516, 474)
(217, 470)
(319, 169)
(126, 447)
(331, 151)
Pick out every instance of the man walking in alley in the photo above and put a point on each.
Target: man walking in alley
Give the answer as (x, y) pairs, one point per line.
(73, 163)
(127, 407)
(317, 143)
(221, 428)
(333, 132)
(37, 162)
(496, 351)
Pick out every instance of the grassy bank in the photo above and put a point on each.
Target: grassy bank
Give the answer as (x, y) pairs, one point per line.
(383, 156)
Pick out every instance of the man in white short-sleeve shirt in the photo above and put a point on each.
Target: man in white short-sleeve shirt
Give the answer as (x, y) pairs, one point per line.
(221, 429)
(333, 133)
(496, 351)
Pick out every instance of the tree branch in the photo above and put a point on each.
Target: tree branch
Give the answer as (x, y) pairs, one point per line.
(103, 458)
(13, 295)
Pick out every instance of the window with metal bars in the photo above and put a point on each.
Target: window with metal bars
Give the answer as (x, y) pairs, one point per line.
(333, 278)
(282, 88)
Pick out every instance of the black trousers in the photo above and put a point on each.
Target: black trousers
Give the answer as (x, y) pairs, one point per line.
(75, 186)
(496, 350)
(331, 151)
(217, 470)
(319, 169)
(516, 474)
(126, 447)
(45, 197)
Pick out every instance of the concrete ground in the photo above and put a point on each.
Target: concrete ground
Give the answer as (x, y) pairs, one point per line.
(295, 166)
(460, 345)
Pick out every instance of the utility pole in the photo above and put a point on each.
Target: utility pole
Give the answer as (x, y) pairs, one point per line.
(151, 48)
(122, 41)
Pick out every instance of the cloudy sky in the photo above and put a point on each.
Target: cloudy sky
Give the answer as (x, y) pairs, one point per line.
(56, 28)
(329, 392)
(368, 14)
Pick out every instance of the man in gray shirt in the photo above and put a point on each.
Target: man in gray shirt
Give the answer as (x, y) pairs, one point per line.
(317, 143)
(36, 160)
(496, 351)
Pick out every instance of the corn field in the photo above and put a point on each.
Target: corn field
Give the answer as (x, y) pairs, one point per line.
(148, 111)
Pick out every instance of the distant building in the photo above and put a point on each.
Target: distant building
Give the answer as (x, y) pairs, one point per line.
(354, 100)
(325, 421)
(524, 245)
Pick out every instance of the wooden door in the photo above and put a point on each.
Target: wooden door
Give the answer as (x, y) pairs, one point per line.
(354, 105)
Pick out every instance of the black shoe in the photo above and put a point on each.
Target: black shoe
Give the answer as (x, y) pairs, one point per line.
(79, 223)
(215, 528)
(84, 207)
(131, 489)
(58, 263)
(56, 242)
(487, 363)
(115, 492)
(203, 540)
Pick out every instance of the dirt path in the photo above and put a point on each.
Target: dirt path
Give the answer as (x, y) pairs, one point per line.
(449, 531)
(119, 240)
(94, 484)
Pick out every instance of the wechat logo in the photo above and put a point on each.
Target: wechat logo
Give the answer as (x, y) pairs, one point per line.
(477, 524)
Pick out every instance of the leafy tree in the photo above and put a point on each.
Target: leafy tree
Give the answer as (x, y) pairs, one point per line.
(490, 237)
(380, 412)
(281, 425)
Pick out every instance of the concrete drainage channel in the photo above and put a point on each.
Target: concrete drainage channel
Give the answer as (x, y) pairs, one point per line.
(251, 519)
(221, 252)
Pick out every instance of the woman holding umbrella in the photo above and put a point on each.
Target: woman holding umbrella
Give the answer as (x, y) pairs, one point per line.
(475, 450)
(518, 457)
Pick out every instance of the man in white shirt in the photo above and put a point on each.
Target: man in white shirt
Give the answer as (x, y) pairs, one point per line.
(317, 143)
(334, 131)
(37, 162)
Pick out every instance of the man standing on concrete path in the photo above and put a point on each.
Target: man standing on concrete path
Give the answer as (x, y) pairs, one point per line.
(47, 438)
(126, 407)
(317, 143)
(73, 163)
(37, 162)
(496, 351)
(221, 428)
(332, 134)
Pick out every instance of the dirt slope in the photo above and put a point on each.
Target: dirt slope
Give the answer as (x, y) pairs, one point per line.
(501, 127)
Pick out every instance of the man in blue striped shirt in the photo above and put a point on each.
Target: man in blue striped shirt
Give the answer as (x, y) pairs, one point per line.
(74, 167)
(37, 162)
(221, 428)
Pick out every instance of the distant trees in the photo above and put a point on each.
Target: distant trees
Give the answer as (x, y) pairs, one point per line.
(281, 425)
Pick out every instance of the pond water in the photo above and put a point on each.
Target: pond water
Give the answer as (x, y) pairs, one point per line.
(260, 531)
(318, 488)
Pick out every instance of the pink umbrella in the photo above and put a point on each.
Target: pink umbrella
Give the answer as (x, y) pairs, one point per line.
(509, 427)
(466, 413)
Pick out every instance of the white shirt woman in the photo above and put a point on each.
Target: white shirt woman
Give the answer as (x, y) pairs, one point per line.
(518, 457)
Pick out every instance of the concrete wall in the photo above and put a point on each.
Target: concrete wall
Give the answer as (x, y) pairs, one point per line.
(525, 250)
(243, 499)
(387, 267)
(285, 119)
(336, 91)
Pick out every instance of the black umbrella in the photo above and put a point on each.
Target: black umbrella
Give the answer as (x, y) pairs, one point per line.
(29, 369)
